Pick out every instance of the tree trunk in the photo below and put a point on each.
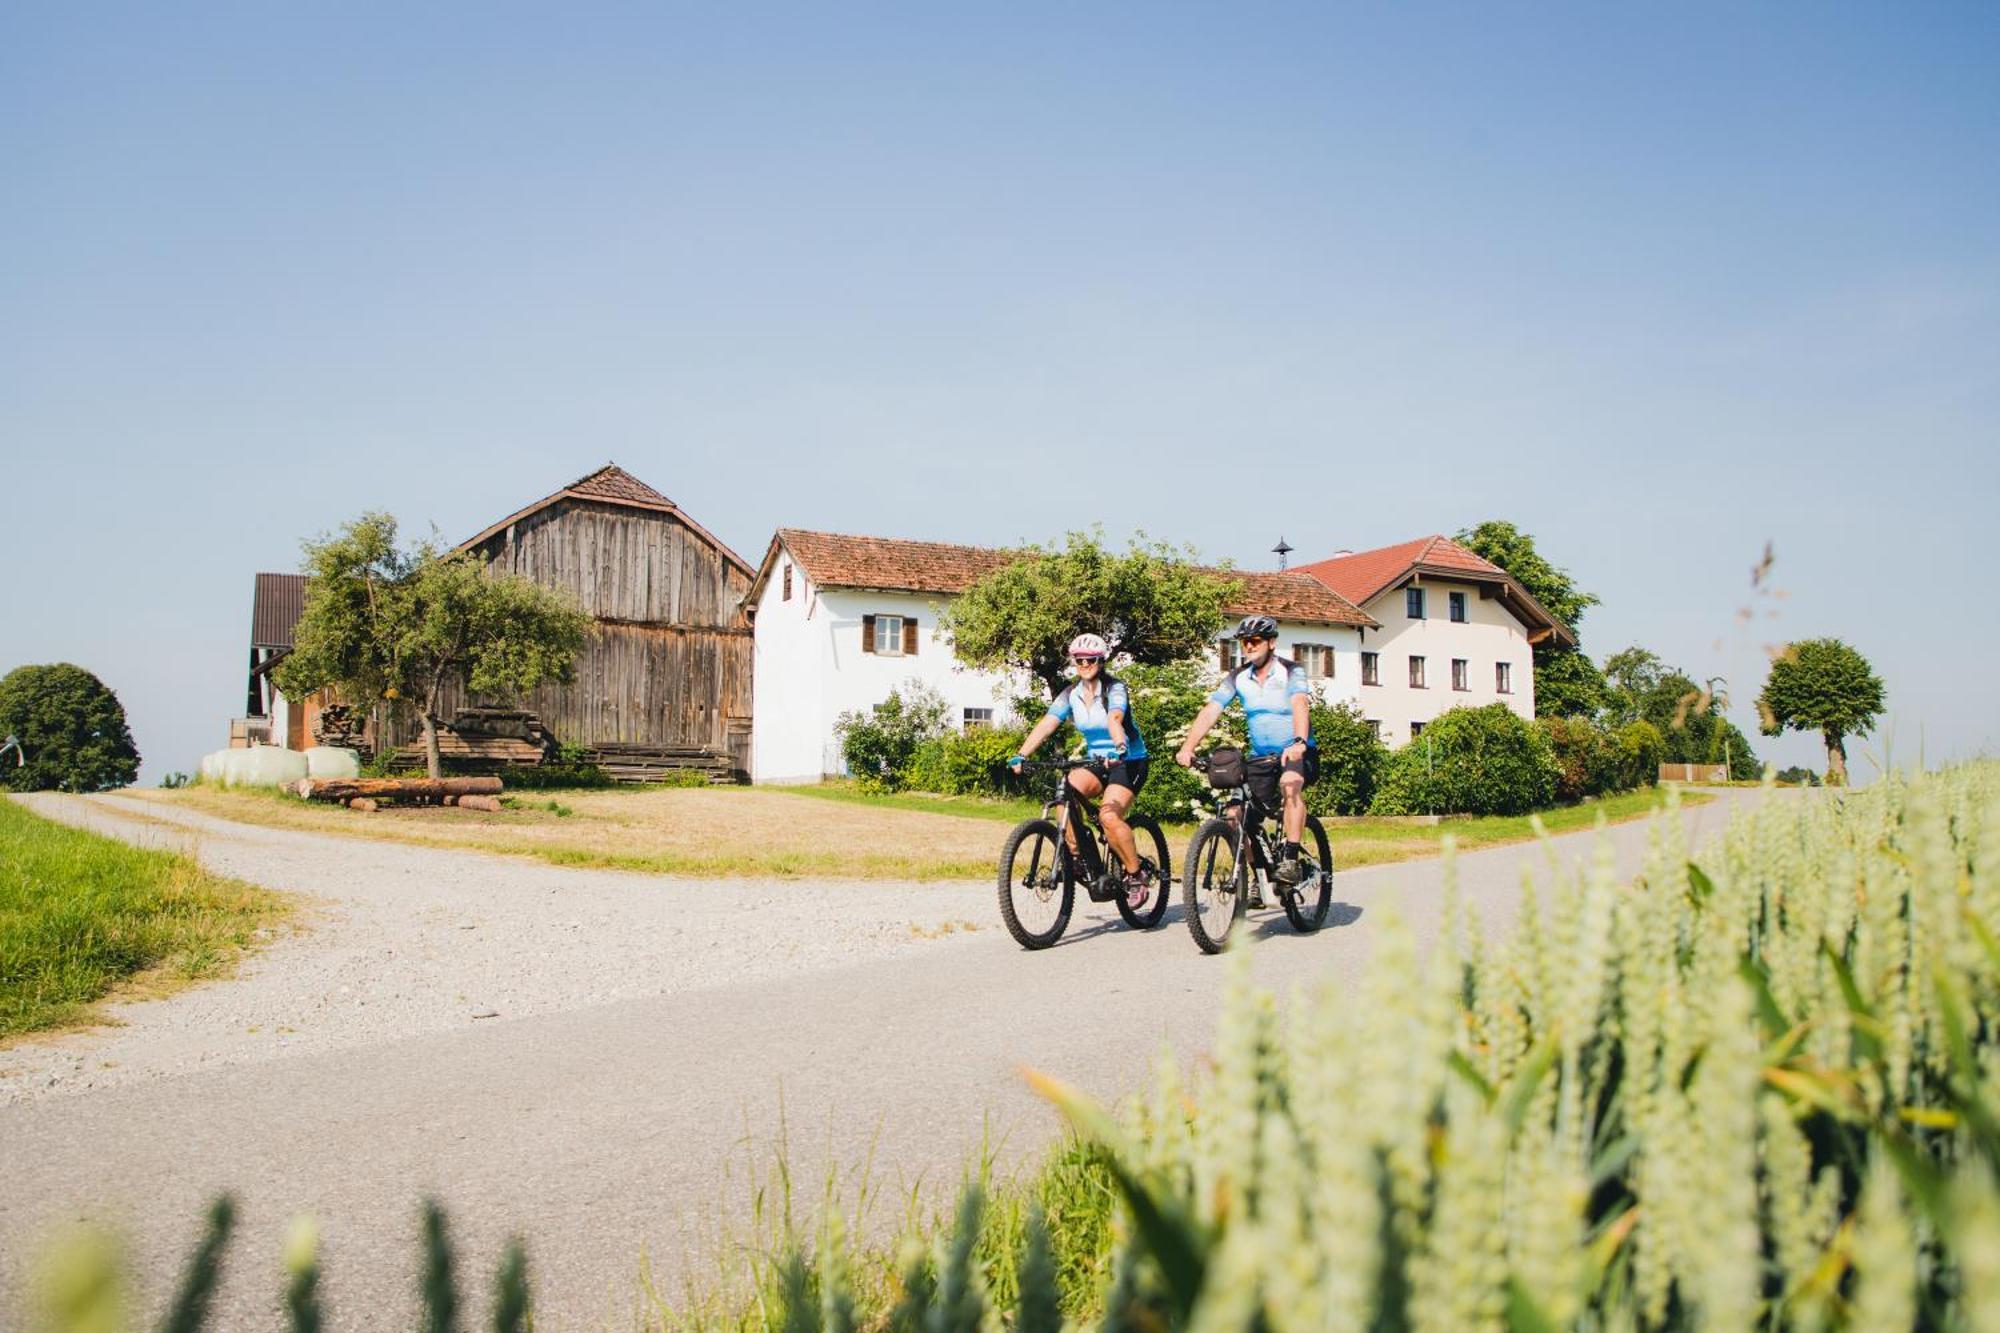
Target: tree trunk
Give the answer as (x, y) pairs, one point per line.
(433, 762)
(1836, 759)
(345, 789)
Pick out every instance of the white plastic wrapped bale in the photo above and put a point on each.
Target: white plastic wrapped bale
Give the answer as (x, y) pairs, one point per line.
(332, 761)
(263, 766)
(211, 765)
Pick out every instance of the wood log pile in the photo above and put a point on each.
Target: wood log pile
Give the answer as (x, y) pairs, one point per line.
(654, 763)
(365, 794)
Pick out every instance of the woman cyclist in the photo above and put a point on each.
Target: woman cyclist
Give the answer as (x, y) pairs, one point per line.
(1098, 704)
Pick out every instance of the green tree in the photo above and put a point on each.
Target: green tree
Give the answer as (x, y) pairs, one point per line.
(1151, 605)
(71, 730)
(1641, 687)
(381, 622)
(1567, 684)
(1822, 685)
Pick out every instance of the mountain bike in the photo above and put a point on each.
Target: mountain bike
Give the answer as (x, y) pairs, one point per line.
(1039, 872)
(1230, 859)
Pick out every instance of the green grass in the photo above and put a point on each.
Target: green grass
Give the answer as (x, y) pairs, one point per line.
(999, 809)
(80, 913)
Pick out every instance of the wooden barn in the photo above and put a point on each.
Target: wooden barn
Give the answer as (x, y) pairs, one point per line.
(664, 679)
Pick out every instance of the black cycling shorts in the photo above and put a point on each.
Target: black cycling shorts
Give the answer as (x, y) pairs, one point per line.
(1263, 771)
(1124, 773)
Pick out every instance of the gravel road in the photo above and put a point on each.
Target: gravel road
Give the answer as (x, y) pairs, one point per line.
(648, 1038)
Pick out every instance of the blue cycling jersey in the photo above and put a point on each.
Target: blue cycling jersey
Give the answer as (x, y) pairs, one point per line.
(1267, 703)
(1093, 718)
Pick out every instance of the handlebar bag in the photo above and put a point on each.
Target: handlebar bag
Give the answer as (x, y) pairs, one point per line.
(1226, 768)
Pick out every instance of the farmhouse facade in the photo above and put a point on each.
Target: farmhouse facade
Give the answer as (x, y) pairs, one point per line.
(842, 620)
(1454, 630)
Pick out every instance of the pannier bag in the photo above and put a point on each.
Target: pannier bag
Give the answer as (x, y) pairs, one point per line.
(1225, 768)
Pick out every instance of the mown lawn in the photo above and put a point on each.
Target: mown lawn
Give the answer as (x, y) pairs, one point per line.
(833, 830)
(80, 914)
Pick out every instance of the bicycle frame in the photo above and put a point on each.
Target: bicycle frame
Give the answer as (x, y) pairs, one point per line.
(1068, 803)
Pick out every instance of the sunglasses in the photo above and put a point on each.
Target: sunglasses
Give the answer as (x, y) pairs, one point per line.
(1090, 659)
(1249, 639)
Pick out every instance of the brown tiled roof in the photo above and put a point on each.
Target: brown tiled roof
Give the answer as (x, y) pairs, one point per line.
(612, 484)
(1365, 575)
(838, 560)
(275, 609)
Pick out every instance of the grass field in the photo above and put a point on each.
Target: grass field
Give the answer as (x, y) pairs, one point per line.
(81, 914)
(834, 830)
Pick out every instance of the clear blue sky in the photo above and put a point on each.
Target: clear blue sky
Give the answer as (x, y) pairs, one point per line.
(1660, 284)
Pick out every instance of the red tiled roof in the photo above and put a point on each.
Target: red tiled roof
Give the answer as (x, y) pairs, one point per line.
(837, 560)
(612, 484)
(1365, 575)
(275, 609)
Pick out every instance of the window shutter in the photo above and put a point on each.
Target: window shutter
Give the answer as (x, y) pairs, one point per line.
(867, 634)
(909, 636)
(1222, 654)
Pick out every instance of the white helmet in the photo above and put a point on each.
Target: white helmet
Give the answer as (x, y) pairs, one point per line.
(1088, 645)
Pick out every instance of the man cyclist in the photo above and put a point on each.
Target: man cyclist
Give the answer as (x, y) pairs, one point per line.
(1277, 704)
(1101, 708)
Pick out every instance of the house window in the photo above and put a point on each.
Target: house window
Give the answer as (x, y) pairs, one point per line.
(788, 583)
(976, 718)
(1371, 668)
(1413, 603)
(1459, 673)
(1375, 727)
(1232, 654)
(1316, 658)
(1416, 730)
(1503, 677)
(1457, 600)
(889, 636)
(1416, 673)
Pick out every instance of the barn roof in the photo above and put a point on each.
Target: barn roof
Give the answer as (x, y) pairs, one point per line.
(1365, 575)
(612, 484)
(888, 564)
(275, 609)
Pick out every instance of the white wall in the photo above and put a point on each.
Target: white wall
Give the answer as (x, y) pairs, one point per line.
(1491, 634)
(787, 658)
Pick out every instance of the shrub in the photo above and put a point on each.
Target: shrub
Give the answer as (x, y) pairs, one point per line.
(878, 745)
(1641, 751)
(1165, 700)
(1798, 777)
(1478, 761)
(569, 766)
(1351, 757)
(71, 728)
(175, 780)
(1588, 758)
(967, 763)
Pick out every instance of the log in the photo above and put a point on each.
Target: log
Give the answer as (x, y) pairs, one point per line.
(363, 804)
(490, 804)
(346, 789)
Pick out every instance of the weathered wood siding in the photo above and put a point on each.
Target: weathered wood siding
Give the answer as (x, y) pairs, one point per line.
(668, 661)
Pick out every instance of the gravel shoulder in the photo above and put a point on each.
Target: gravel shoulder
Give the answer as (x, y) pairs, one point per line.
(393, 941)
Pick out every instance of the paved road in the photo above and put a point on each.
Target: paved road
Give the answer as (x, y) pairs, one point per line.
(610, 1129)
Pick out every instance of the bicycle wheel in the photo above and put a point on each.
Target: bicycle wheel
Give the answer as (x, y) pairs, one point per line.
(1152, 849)
(1212, 884)
(1036, 893)
(1305, 906)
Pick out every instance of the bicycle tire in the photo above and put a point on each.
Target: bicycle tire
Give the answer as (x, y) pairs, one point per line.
(1219, 900)
(1306, 906)
(1155, 909)
(1045, 878)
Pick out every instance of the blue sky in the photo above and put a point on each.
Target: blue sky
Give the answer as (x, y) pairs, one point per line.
(1658, 285)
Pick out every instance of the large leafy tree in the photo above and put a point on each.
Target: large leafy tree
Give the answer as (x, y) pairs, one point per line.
(1826, 686)
(1150, 603)
(382, 622)
(71, 730)
(1567, 684)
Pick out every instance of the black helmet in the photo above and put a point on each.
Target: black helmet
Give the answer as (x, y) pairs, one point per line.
(1257, 627)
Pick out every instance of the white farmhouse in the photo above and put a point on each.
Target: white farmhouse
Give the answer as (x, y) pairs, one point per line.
(1454, 630)
(840, 621)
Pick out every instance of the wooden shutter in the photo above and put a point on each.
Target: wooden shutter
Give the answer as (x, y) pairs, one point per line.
(867, 634)
(1222, 653)
(909, 636)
